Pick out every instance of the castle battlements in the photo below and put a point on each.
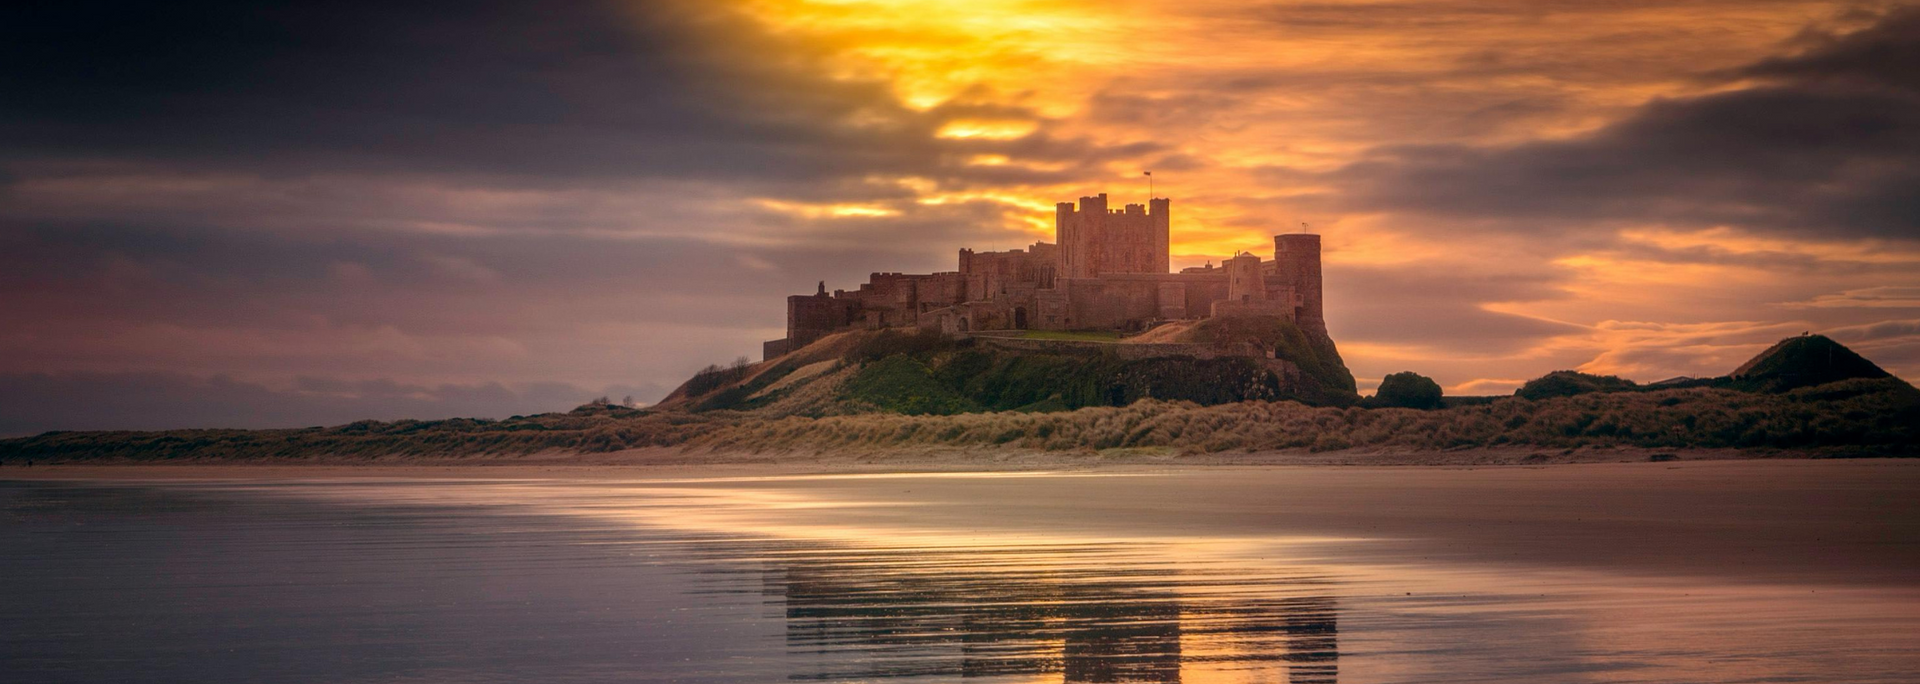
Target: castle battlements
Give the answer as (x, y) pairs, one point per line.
(1108, 269)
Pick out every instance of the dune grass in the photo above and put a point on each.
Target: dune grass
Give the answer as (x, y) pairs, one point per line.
(1851, 418)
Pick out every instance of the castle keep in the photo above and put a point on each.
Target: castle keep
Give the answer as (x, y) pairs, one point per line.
(1106, 270)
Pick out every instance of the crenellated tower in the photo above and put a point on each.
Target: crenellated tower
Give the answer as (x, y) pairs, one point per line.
(1096, 241)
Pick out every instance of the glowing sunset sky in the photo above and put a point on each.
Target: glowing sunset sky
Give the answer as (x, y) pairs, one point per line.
(225, 213)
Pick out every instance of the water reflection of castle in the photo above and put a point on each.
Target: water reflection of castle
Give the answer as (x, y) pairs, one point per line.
(983, 614)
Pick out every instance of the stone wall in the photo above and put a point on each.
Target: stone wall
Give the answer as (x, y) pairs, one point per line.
(991, 274)
(1245, 284)
(773, 349)
(890, 300)
(1052, 306)
(811, 317)
(1001, 314)
(1110, 303)
(940, 289)
(1145, 298)
(1173, 300)
(1261, 307)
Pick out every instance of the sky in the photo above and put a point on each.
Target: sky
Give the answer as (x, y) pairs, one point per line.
(254, 214)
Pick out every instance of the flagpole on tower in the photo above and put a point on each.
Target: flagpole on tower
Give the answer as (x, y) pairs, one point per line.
(1149, 175)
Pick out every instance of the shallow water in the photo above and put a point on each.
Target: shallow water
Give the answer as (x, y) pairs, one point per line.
(1274, 575)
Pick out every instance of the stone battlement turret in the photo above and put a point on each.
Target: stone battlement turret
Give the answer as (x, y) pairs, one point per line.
(1095, 241)
(1297, 262)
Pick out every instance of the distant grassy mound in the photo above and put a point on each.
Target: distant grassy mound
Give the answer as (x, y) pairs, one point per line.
(1803, 361)
(1793, 363)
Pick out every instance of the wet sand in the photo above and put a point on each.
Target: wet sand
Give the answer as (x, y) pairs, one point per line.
(1753, 570)
(1830, 520)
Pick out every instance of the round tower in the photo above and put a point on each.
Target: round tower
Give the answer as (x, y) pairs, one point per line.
(1245, 284)
(1297, 262)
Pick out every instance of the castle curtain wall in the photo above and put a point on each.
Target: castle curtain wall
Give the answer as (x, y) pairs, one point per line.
(1111, 303)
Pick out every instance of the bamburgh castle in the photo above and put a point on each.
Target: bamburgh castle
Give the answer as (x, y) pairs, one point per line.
(1106, 270)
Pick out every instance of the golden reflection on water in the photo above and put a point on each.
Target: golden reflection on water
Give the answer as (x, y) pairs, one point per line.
(1084, 613)
(867, 588)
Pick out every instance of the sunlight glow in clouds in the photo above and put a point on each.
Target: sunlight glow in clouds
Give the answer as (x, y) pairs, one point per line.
(605, 196)
(1248, 106)
(937, 51)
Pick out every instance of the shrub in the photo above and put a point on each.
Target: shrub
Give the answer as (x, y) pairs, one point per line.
(1407, 390)
(1571, 383)
(715, 377)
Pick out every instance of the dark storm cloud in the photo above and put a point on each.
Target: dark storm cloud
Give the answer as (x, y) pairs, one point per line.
(1894, 344)
(460, 197)
(1782, 262)
(453, 194)
(1883, 330)
(114, 274)
(546, 92)
(1827, 143)
(1887, 54)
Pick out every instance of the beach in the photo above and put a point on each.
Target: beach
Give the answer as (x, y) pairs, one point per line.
(1721, 570)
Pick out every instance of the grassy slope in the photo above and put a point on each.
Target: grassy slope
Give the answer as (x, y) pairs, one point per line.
(902, 384)
(941, 376)
(927, 374)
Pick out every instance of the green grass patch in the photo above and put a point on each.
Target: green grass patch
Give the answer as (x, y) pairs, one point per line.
(902, 384)
(1004, 381)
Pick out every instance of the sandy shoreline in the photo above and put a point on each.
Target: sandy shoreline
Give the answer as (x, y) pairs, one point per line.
(1850, 521)
(1740, 560)
(675, 463)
